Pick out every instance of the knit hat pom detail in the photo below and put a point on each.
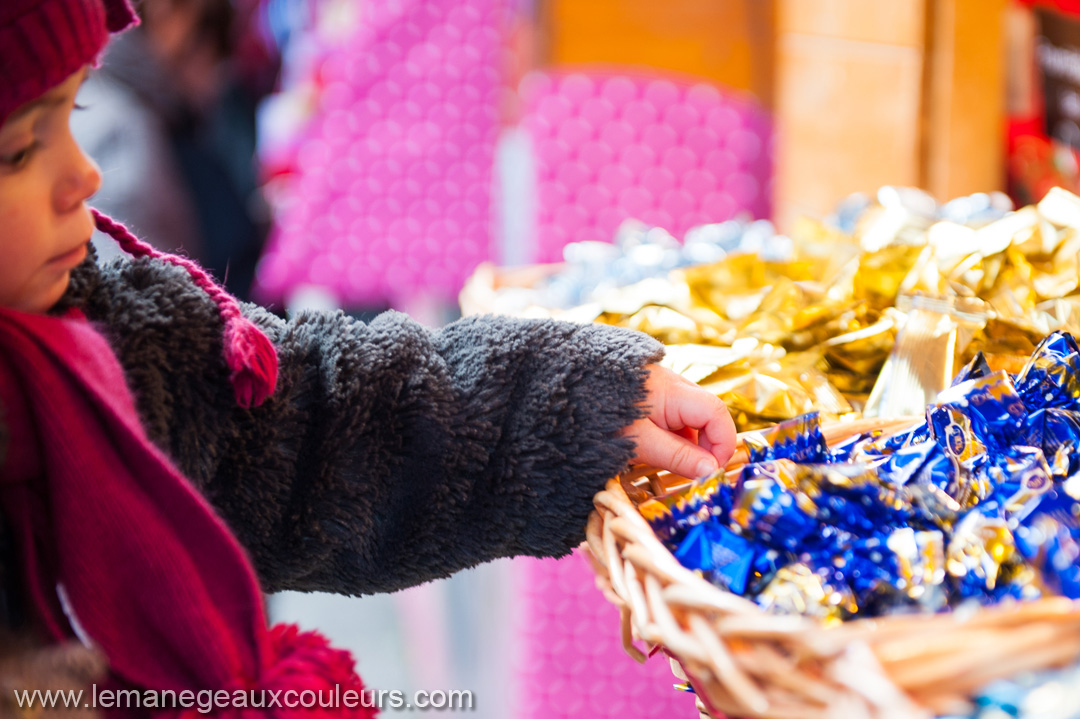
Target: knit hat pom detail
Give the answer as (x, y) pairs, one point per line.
(313, 673)
(249, 354)
(252, 361)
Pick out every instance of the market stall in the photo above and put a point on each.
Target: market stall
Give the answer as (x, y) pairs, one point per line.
(899, 536)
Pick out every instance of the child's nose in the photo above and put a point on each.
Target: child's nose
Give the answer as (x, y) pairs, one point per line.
(81, 181)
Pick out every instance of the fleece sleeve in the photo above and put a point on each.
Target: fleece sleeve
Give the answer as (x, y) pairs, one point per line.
(390, 454)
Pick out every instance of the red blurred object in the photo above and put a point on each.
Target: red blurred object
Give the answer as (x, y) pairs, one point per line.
(1044, 137)
(1070, 7)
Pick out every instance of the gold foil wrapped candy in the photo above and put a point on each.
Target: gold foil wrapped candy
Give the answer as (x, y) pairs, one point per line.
(905, 292)
(797, 589)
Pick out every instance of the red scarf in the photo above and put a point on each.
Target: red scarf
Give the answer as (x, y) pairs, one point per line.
(151, 573)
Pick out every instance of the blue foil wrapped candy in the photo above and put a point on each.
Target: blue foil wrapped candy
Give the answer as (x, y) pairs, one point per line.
(890, 444)
(1051, 376)
(980, 544)
(800, 588)
(769, 505)
(798, 439)
(1020, 476)
(976, 368)
(723, 557)
(953, 431)
(1054, 429)
(979, 502)
(851, 498)
(671, 516)
(993, 406)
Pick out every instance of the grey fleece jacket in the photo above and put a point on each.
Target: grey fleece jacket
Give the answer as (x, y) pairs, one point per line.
(390, 454)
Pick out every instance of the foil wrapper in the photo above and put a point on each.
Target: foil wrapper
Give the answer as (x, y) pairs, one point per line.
(1051, 377)
(799, 589)
(979, 546)
(993, 406)
(871, 311)
(980, 502)
(924, 358)
(719, 554)
(674, 514)
(798, 439)
(769, 505)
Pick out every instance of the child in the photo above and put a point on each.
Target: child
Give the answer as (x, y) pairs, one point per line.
(336, 456)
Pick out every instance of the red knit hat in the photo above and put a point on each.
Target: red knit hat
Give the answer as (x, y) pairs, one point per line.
(42, 42)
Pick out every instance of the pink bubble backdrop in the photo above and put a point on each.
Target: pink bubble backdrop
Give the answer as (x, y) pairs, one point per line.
(668, 151)
(392, 194)
(570, 662)
(674, 154)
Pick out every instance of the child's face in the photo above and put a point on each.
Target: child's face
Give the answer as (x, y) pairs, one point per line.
(45, 180)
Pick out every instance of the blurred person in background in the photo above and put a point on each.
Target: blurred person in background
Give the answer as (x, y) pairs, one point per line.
(172, 124)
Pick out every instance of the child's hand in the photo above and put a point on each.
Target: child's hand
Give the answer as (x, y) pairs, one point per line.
(688, 430)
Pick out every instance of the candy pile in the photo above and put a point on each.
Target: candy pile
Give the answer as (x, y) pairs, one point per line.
(640, 252)
(979, 502)
(870, 312)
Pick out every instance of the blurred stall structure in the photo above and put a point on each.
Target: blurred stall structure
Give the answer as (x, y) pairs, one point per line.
(865, 92)
(389, 187)
(1044, 98)
(730, 43)
(410, 140)
(901, 92)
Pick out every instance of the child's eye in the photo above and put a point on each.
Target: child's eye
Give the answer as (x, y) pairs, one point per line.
(18, 160)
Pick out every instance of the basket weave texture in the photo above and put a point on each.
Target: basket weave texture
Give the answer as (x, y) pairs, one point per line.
(744, 662)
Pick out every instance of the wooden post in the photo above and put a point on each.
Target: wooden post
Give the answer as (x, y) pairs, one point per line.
(876, 92)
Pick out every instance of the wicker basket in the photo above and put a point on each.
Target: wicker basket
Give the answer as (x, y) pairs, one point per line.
(743, 662)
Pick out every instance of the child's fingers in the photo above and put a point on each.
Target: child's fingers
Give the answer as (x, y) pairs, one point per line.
(723, 427)
(687, 405)
(660, 448)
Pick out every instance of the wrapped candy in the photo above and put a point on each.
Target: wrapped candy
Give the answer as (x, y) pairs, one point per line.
(1057, 432)
(871, 311)
(934, 332)
(896, 305)
(993, 405)
(1051, 378)
(977, 367)
(799, 439)
(673, 515)
(768, 504)
(722, 556)
(920, 558)
(980, 502)
(953, 432)
(799, 589)
(981, 543)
